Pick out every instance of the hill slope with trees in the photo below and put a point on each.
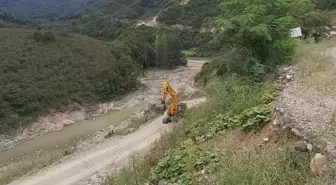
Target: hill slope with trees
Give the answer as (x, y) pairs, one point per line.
(45, 70)
(47, 9)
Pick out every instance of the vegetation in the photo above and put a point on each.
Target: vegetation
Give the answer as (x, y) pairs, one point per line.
(109, 19)
(62, 70)
(194, 14)
(150, 47)
(47, 10)
(325, 4)
(239, 96)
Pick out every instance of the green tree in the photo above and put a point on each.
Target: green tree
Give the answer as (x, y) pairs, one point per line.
(259, 30)
(175, 56)
(161, 50)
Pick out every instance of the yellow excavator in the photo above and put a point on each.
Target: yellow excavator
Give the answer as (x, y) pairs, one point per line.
(176, 109)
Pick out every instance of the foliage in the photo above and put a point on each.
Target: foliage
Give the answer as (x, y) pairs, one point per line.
(10, 17)
(109, 18)
(46, 37)
(184, 165)
(48, 10)
(251, 118)
(259, 31)
(144, 47)
(70, 71)
(194, 14)
(325, 4)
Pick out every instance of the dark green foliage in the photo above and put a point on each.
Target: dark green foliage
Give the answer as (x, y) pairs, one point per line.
(161, 50)
(48, 9)
(258, 33)
(49, 37)
(110, 18)
(184, 165)
(46, 37)
(325, 4)
(194, 14)
(38, 36)
(38, 76)
(10, 17)
(153, 3)
(149, 47)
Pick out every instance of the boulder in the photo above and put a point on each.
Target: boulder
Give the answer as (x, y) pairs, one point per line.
(301, 146)
(319, 164)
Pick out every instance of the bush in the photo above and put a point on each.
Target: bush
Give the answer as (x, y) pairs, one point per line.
(38, 36)
(49, 37)
(259, 33)
(46, 37)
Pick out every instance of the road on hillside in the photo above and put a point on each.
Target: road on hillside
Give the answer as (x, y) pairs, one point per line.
(105, 157)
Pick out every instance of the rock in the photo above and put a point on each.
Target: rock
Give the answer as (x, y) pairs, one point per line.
(109, 134)
(333, 33)
(297, 132)
(301, 146)
(130, 130)
(164, 183)
(265, 139)
(310, 147)
(327, 27)
(319, 163)
(289, 77)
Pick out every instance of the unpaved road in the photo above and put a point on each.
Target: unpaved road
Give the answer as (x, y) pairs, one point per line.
(108, 155)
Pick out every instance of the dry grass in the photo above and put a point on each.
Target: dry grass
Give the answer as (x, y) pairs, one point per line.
(317, 65)
(32, 163)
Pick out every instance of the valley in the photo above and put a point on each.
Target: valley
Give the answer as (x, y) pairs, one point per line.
(79, 82)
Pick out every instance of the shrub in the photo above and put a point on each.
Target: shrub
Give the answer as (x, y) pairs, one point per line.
(259, 33)
(49, 37)
(38, 36)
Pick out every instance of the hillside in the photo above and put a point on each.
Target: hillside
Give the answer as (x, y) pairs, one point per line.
(108, 19)
(41, 71)
(193, 14)
(47, 9)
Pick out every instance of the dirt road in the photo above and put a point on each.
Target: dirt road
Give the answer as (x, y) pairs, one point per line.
(108, 155)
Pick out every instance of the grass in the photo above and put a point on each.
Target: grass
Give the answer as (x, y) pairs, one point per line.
(175, 155)
(32, 163)
(244, 164)
(190, 53)
(316, 63)
(139, 169)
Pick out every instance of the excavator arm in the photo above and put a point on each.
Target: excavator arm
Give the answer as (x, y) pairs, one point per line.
(167, 89)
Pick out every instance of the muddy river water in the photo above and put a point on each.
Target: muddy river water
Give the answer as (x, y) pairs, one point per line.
(69, 134)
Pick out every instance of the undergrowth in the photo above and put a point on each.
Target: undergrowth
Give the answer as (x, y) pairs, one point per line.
(188, 155)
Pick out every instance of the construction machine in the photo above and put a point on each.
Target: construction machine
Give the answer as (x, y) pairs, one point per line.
(176, 110)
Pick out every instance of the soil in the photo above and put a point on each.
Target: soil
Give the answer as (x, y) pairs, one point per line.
(309, 111)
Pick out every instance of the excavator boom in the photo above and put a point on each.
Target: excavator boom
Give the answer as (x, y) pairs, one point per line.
(167, 89)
